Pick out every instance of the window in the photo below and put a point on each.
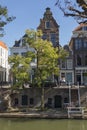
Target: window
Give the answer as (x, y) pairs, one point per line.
(78, 44)
(49, 101)
(24, 100)
(69, 64)
(53, 39)
(31, 101)
(15, 53)
(84, 28)
(23, 42)
(78, 60)
(66, 100)
(69, 77)
(15, 101)
(63, 78)
(85, 43)
(49, 104)
(44, 37)
(23, 53)
(1, 52)
(47, 24)
(63, 64)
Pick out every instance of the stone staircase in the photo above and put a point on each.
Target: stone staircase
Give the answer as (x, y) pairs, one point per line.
(83, 99)
(85, 114)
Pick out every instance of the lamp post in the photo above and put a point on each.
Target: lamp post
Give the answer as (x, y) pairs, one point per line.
(69, 95)
(79, 95)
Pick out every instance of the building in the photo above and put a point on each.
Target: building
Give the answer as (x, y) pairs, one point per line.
(78, 45)
(54, 97)
(20, 47)
(49, 27)
(4, 74)
(73, 70)
(66, 68)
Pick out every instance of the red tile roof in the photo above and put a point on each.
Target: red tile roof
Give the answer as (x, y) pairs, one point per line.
(2, 44)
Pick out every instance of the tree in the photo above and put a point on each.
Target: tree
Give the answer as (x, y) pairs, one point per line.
(76, 9)
(19, 72)
(46, 62)
(4, 19)
(47, 59)
(19, 69)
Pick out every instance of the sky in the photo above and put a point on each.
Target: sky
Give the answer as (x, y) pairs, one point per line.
(28, 14)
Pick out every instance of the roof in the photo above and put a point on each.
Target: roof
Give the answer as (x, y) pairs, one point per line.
(80, 27)
(2, 44)
(48, 16)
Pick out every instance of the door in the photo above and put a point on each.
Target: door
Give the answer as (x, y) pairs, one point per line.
(57, 101)
(24, 100)
(78, 78)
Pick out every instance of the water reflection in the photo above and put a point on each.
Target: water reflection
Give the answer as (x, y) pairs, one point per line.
(27, 124)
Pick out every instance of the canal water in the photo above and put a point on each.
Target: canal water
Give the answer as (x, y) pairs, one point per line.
(27, 124)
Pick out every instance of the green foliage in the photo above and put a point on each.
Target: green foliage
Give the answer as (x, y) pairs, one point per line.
(63, 53)
(46, 55)
(4, 19)
(19, 69)
(46, 62)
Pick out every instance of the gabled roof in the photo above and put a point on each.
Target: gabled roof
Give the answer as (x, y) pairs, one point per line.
(48, 16)
(3, 45)
(79, 28)
(18, 42)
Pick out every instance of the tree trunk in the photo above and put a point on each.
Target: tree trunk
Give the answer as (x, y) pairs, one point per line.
(42, 98)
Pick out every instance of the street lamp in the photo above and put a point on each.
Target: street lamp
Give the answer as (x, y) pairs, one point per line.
(69, 95)
(79, 95)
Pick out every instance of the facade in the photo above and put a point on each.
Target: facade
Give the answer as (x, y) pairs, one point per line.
(50, 30)
(78, 45)
(66, 68)
(20, 47)
(73, 70)
(49, 27)
(53, 98)
(3, 63)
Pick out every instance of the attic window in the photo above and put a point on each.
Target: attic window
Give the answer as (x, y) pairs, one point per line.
(47, 24)
(84, 28)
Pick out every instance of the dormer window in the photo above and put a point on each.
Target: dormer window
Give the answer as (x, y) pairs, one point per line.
(84, 28)
(47, 24)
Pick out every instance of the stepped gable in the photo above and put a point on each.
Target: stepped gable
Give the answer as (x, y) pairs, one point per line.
(47, 16)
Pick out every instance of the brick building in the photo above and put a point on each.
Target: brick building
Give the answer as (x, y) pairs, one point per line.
(49, 27)
(78, 45)
(73, 70)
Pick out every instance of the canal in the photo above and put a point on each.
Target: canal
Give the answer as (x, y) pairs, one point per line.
(27, 124)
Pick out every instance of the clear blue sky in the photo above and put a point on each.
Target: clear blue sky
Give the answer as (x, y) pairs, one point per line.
(28, 14)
